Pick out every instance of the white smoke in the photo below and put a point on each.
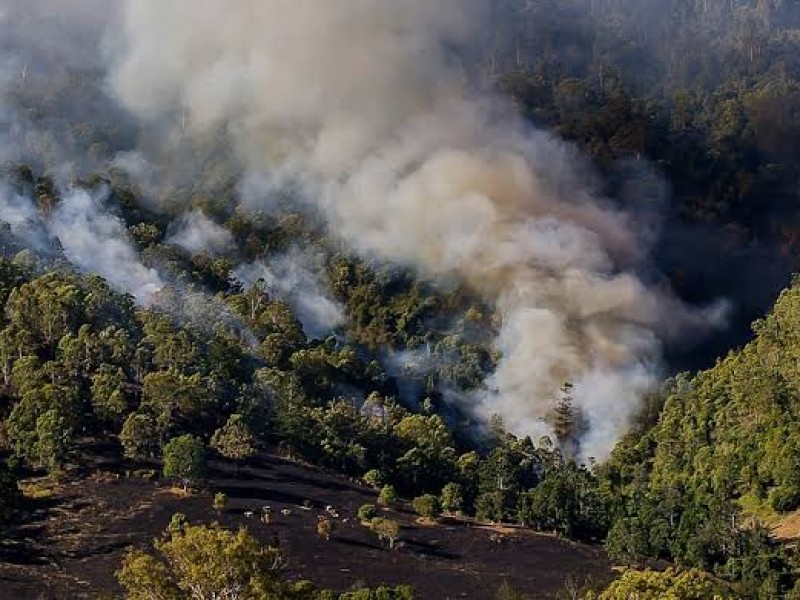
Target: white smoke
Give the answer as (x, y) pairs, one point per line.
(195, 233)
(97, 242)
(91, 238)
(19, 213)
(138, 169)
(362, 102)
(295, 278)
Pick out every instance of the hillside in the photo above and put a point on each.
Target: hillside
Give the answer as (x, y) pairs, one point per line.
(721, 458)
(457, 252)
(71, 545)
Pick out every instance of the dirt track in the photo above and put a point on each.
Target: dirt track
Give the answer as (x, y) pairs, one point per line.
(75, 539)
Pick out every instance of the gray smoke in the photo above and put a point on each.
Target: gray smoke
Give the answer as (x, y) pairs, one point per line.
(54, 112)
(196, 233)
(90, 237)
(363, 104)
(97, 242)
(296, 278)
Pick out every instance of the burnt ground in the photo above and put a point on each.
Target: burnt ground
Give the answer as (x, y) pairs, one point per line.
(75, 534)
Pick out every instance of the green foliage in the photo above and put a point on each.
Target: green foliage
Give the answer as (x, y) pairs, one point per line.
(388, 496)
(109, 399)
(185, 459)
(234, 440)
(386, 529)
(374, 478)
(506, 592)
(567, 502)
(53, 440)
(204, 562)
(401, 592)
(452, 498)
(655, 585)
(725, 439)
(140, 436)
(211, 562)
(367, 512)
(220, 501)
(426, 506)
(177, 523)
(174, 398)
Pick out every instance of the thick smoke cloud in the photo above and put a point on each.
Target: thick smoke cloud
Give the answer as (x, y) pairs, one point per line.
(363, 103)
(54, 112)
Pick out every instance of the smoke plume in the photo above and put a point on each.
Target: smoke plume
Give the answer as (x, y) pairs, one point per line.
(364, 105)
(195, 233)
(96, 241)
(89, 236)
(295, 278)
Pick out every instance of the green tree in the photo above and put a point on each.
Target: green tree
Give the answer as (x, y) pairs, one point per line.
(374, 478)
(452, 498)
(141, 436)
(185, 459)
(220, 501)
(567, 423)
(426, 506)
(655, 585)
(367, 512)
(388, 495)
(108, 394)
(386, 529)
(234, 440)
(174, 397)
(53, 440)
(203, 562)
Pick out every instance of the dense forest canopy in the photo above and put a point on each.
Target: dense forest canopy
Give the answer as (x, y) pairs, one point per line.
(453, 248)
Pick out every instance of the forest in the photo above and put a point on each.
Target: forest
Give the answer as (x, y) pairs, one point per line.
(612, 360)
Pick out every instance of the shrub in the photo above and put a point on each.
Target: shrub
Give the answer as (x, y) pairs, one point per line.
(373, 478)
(388, 495)
(325, 528)
(367, 512)
(426, 506)
(220, 501)
(177, 523)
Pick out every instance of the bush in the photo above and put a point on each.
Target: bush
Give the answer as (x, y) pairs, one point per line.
(177, 523)
(367, 512)
(220, 501)
(325, 528)
(688, 585)
(388, 495)
(374, 478)
(426, 506)
(386, 529)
